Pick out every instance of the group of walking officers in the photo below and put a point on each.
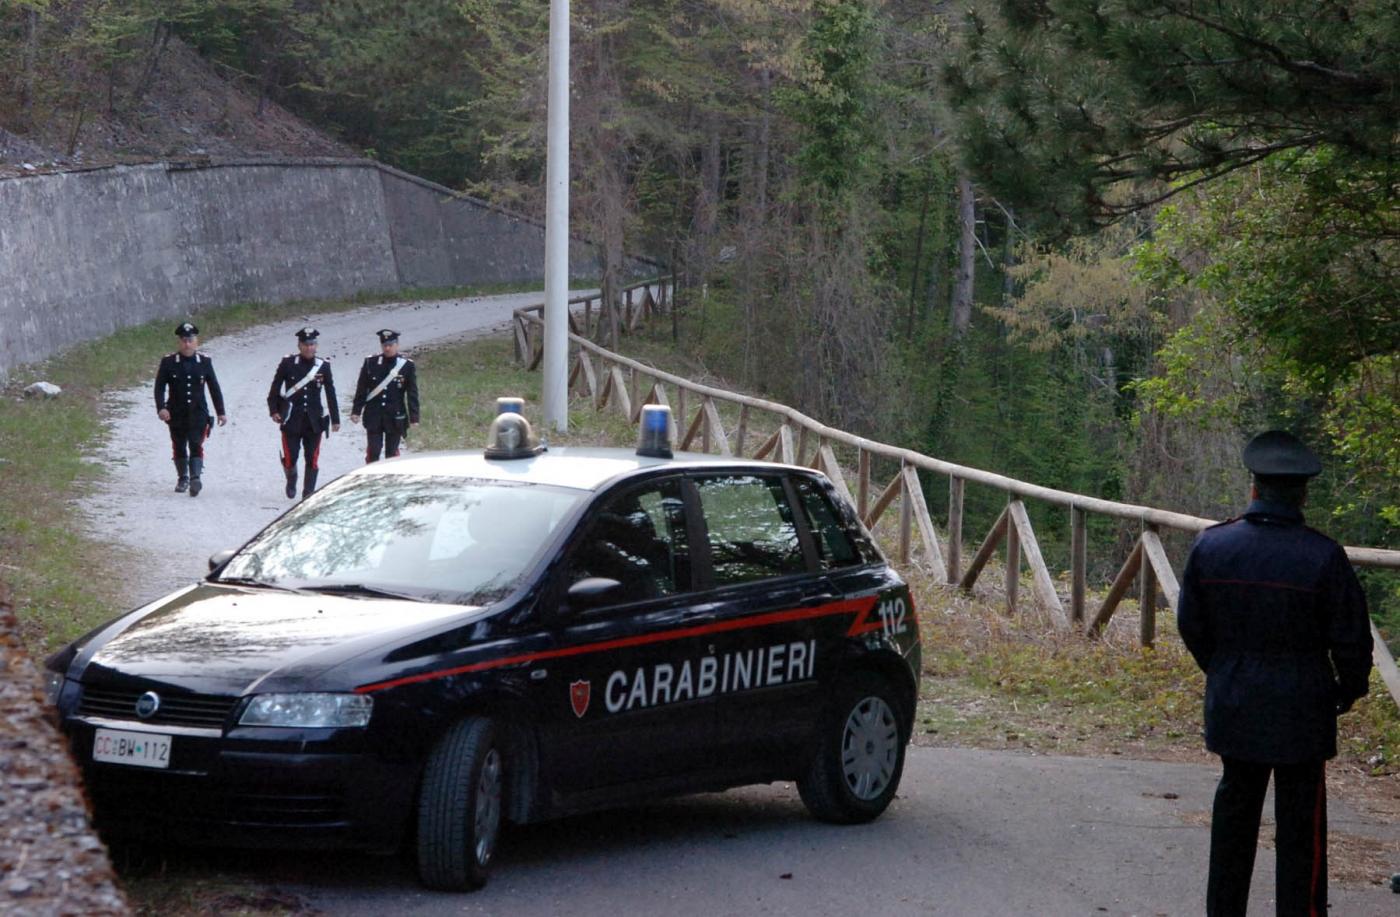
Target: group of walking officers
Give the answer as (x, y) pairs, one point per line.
(301, 401)
(1270, 609)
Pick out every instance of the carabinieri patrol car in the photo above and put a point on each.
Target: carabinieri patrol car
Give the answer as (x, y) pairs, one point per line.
(435, 644)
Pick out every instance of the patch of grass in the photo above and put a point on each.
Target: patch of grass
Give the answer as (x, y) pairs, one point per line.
(61, 581)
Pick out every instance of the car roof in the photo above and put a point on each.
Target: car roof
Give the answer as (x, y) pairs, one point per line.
(582, 468)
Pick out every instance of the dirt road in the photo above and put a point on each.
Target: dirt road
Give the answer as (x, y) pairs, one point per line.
(169, 536)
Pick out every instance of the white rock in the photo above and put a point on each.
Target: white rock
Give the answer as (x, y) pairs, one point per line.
(46, 389)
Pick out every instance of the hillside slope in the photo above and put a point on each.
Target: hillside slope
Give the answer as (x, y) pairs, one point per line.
(188, 110)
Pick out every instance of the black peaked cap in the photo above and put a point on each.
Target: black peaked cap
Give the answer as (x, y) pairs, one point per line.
(1279, 454)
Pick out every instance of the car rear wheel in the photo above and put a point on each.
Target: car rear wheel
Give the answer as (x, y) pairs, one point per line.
(855, 771)
(459, 807)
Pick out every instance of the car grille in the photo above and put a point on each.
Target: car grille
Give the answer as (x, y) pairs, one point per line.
(200, 710)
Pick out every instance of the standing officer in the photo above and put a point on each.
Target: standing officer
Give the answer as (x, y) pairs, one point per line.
(1274, 615)
(180, 382)
(387, 396)
(294, 401)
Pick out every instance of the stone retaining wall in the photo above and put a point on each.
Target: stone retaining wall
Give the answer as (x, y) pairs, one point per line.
(83, 254)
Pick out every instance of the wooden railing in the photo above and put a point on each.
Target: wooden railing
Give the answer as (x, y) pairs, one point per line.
(611, 380)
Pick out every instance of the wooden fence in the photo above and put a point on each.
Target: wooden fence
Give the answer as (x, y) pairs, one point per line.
(613, 381)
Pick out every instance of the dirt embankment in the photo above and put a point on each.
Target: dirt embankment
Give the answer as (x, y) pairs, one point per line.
(189, 110)
(51, 861)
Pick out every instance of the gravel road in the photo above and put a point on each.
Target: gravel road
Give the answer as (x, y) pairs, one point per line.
(170, 536)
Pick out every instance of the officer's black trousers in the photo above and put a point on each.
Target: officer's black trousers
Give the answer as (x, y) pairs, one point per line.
(1300, 811)
(187, 441)
(387, 439)
(294, 442)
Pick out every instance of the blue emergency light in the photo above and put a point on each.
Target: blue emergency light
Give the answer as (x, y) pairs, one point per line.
(510, 405)
(654, 439)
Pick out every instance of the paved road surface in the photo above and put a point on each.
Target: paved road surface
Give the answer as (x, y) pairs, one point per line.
(973, 834)
(170, 536)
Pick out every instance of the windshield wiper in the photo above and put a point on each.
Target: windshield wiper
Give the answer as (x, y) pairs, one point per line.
(250, 581)
(360, 589)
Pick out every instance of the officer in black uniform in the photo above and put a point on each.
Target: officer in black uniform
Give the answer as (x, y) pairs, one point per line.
(180, 383)
(294, 401)
(387, 396)
(1273, 614)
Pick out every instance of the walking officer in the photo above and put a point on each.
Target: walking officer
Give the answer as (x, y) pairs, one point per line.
(1273, 614)
(387, 395)
(180, 383)
(294, 401)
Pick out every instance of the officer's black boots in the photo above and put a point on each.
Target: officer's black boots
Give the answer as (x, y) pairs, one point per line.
(196, 470)
(309, 487)
(291, 482)
(184, 477)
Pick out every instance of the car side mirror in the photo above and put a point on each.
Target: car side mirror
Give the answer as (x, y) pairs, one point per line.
(219, 558)
(591, 592)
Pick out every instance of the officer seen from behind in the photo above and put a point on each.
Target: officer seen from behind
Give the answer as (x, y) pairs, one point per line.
(1273, 614)
(180, 383)
(294, 401)
(387, 396)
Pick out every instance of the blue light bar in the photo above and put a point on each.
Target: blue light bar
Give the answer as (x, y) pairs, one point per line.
(510, 405)
(654, 439)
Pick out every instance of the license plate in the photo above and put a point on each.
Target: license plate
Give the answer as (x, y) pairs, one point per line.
(142, 749)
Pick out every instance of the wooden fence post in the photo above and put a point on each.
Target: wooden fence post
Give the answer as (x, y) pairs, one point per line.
(955, 528)
(1147, 594)
(1040, 574)
(906, 515)
(862, 483)
(1078, 563)
(743, 430)
(1013, 561)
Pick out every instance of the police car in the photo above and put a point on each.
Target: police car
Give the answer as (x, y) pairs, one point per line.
(435, 645)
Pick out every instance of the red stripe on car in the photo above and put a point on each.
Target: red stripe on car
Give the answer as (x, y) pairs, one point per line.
(860, 606)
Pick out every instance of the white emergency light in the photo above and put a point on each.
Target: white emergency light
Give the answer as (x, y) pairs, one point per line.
(511, 436)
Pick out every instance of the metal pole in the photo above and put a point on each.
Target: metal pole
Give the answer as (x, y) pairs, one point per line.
(556, 231)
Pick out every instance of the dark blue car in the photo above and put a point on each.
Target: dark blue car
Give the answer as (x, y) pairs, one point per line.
(434, 644)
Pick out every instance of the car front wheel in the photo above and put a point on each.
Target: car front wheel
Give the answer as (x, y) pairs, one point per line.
(459, 807)
(860, 753)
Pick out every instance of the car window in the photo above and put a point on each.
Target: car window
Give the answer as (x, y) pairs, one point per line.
(439, 538)
(750, 526)
(638, 538)
(834, 548)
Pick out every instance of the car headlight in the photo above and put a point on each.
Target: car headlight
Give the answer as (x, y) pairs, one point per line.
(53, 686)
(308, 710)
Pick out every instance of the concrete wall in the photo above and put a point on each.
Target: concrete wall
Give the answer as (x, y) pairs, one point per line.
(83, 254)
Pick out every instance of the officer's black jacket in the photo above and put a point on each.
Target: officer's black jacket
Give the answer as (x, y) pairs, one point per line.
(302, 412)
(180, 385)
(397, 403)
(1274, 615)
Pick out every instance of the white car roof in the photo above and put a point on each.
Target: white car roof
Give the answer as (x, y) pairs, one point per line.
(582, 468)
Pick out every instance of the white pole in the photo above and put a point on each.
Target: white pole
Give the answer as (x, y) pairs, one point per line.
(556, 224)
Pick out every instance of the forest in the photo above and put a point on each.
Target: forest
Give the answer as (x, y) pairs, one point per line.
(1093, 244)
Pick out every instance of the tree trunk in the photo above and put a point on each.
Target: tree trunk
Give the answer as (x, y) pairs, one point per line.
(31, 64)
(967, 257)
(1008, 259)
(918, 260)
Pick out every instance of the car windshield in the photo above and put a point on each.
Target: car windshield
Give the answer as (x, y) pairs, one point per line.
(430, 538)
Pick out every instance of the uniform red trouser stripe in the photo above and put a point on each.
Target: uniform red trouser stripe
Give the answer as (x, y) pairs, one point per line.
(286, 451)
(314, 459)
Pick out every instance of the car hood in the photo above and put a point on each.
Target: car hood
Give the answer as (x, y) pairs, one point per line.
(227, 639)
